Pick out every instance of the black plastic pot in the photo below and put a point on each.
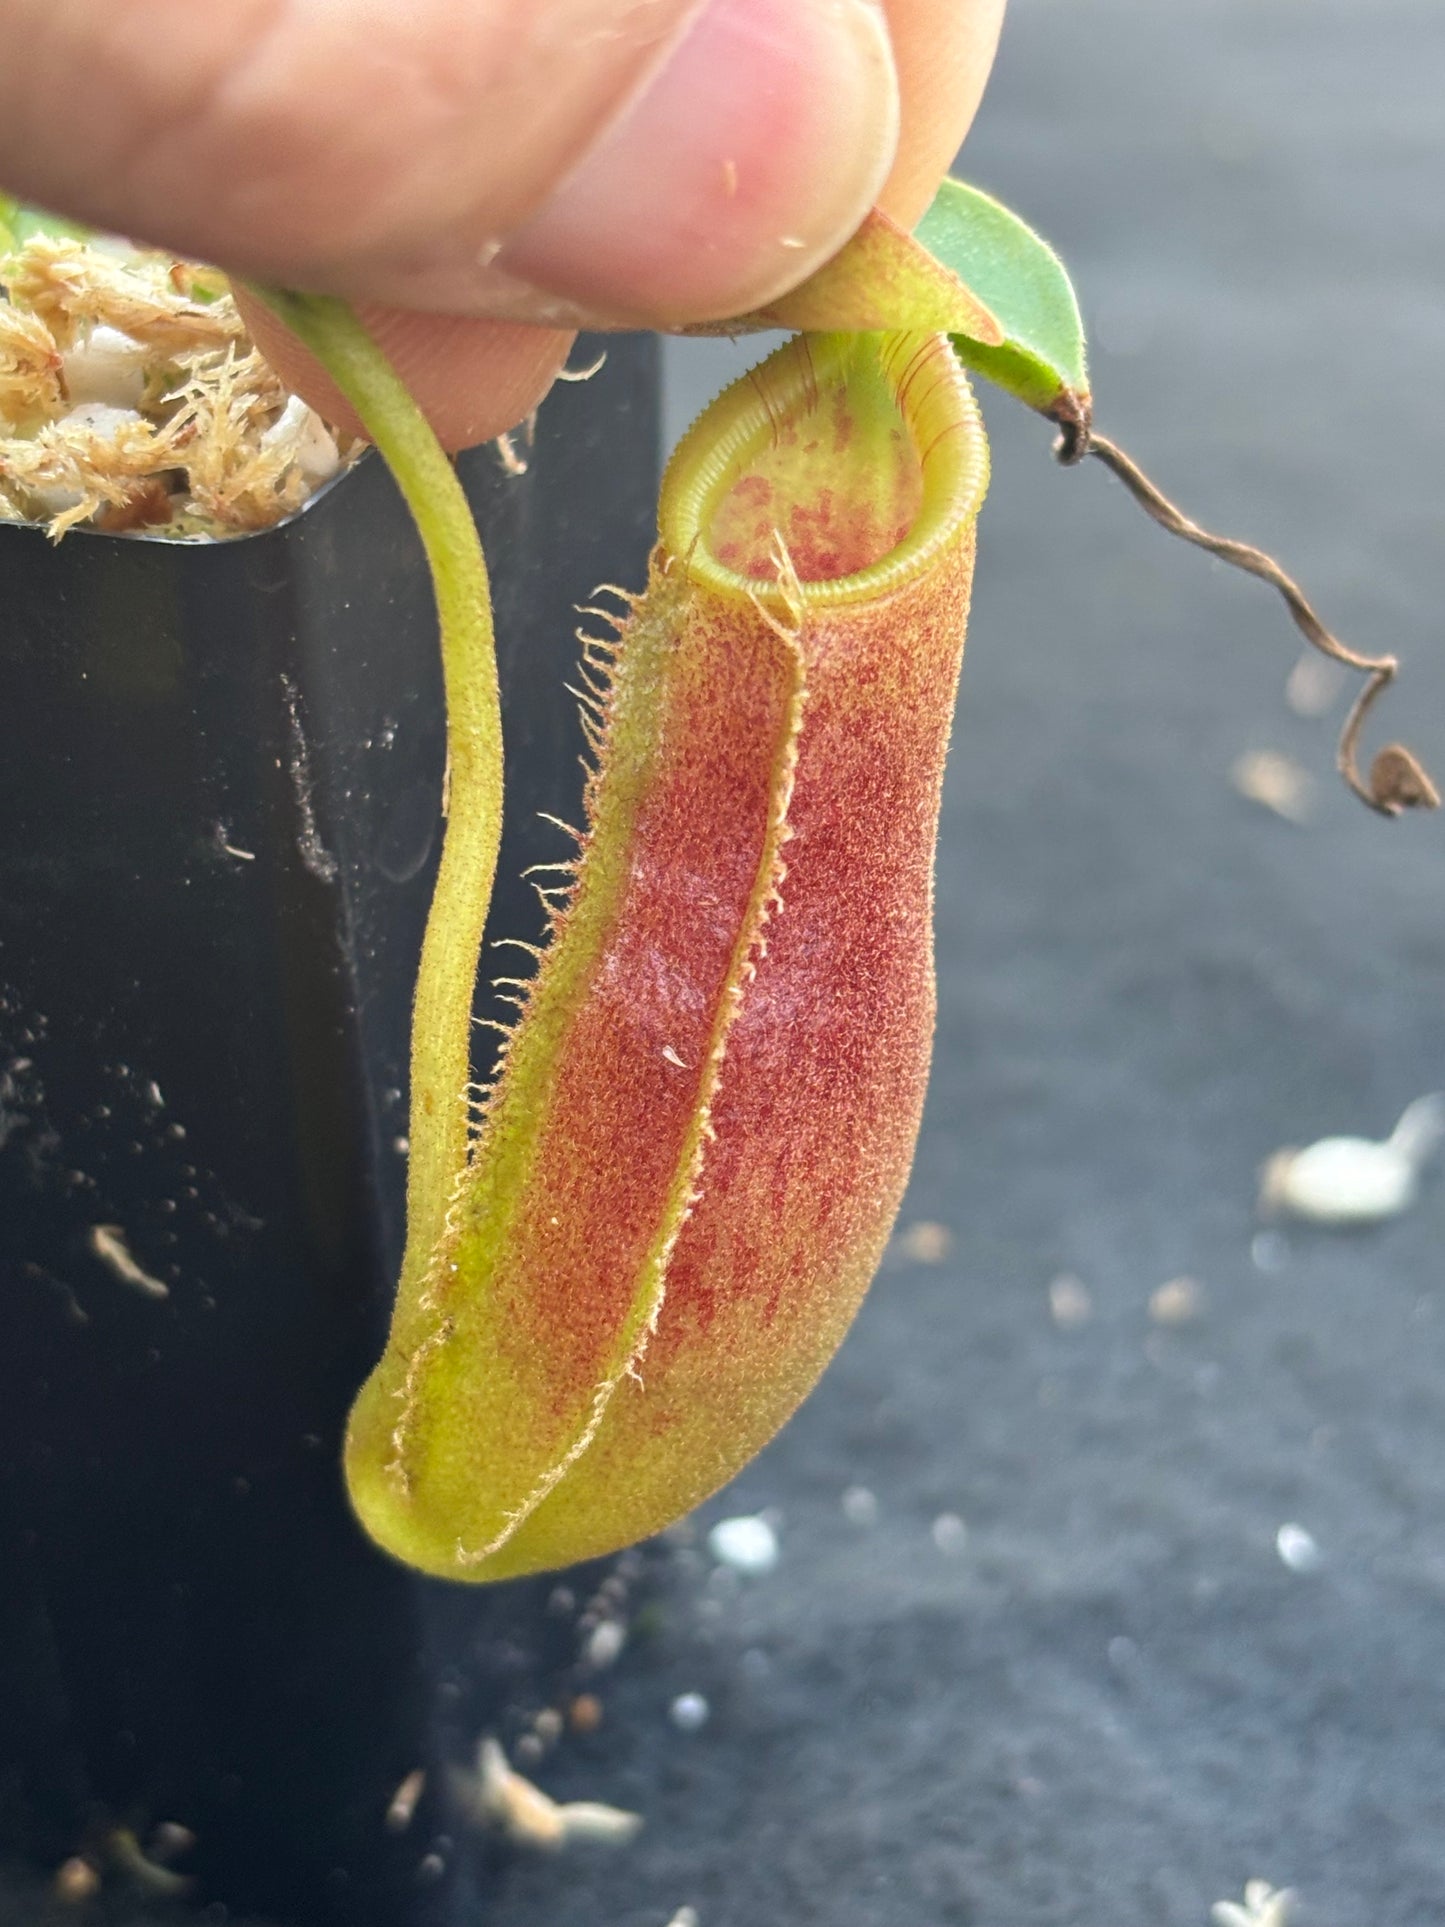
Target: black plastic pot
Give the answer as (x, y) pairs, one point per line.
(219, 818)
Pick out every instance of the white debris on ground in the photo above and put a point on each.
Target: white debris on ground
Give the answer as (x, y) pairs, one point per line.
(76, 1881)
(118, 1854)
(131, 399)
(1070, 1302)
(747, 1545)
(689, 1712)
(1355, 1180)
(107, 1242)
(1264, 1906)
(925, 1242)
(949, 1534)
(1315, 684)
(860, 1506)
(1268, 1252)
(500, 1798)
(144, 1871)
(401, 1809)
(1177, 1302)
(1297, 1548)
(603, 1645)
(1277, 783)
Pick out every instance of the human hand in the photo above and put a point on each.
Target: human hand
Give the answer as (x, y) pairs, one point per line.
(482, 177)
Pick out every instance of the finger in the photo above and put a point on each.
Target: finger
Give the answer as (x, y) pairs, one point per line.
(656, 160)
(472, 379)
(476, 380)
(943, 51)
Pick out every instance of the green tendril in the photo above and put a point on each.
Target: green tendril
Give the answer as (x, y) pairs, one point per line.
(451, 949)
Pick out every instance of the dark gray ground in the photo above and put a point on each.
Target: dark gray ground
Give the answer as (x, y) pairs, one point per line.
(1116, 1704)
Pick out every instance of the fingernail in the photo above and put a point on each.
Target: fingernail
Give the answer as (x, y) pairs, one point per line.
(746, 162)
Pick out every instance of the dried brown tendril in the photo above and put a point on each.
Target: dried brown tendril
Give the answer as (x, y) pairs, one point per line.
(1397, 780)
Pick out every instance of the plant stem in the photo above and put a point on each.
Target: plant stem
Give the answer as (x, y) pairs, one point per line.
(446, 978)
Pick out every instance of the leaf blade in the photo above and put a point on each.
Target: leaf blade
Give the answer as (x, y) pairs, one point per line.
(1020, 277)
(972, 270)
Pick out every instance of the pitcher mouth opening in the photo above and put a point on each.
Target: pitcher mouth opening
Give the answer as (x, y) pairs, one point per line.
(855, 456)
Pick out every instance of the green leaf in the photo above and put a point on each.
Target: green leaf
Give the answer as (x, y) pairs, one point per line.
(971, 270)
(1020, 278)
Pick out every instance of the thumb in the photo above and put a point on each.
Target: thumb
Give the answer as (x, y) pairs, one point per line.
(648, 161)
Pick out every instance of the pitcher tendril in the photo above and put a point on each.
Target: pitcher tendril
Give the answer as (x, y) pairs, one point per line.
(471, 799)
(1397, 780)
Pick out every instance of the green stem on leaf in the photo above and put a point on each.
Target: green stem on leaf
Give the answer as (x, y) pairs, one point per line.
(446, 978)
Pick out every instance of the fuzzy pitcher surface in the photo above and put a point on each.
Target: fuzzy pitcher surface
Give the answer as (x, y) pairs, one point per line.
(686, 1170)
